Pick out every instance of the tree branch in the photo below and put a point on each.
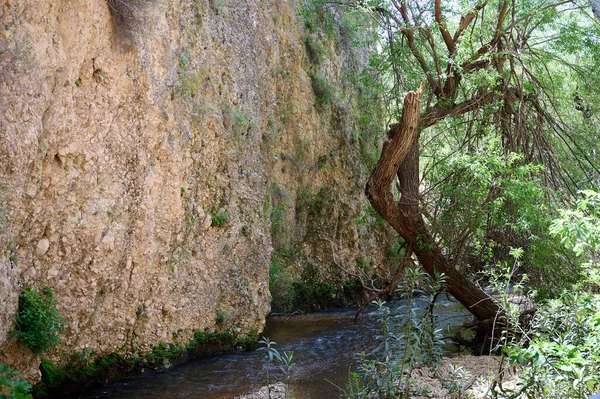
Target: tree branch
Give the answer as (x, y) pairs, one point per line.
(437, 4)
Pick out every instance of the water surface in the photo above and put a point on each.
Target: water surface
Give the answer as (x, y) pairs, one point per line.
(324, 346)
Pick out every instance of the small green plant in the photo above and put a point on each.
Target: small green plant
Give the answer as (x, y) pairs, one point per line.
(220, 219)
(242, 124)
(11, 384)
(404, 342)
(221, 316)
(273, 358)
(458, 382)
(323, 90)
(277, 218)
(39, 324)
(316, 51)
(315, 203)
(245, 231)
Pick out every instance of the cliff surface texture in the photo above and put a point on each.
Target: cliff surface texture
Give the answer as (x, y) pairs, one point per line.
(163, 161)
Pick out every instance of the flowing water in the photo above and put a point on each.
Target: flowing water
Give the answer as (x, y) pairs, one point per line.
(324, 346)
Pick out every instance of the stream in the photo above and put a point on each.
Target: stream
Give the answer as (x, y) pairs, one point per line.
(324, 346)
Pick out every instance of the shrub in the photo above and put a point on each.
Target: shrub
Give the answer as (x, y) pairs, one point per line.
(562, 359)
(220, 219)
(559, 355)
(316, 50)
(38, 322)
(323, 90)
(12, 385)
(405, 342)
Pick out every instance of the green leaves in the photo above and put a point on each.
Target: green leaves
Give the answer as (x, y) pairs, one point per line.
(39, 324)
(562, 358)
(285, 360)
(579, 229)
(12, 386)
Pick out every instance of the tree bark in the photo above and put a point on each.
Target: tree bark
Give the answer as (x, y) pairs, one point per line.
(400, 157)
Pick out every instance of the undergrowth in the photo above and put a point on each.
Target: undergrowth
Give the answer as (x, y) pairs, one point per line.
(39, 324)
(12, 385)
(404, 342)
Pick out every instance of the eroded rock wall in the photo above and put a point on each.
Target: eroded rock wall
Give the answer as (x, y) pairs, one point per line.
(145, 147)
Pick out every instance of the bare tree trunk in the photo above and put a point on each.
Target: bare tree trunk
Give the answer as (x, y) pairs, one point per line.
(400, 156)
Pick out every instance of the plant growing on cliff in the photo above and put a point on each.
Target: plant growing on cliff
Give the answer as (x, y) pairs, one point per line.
(323, 90)
(39, 324)
(11, 384)
(220, 219)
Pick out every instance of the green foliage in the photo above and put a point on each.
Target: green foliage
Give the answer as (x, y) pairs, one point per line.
(221, 316)
(318, 17)
(404, 342)
(323, 90)
(370, 217)
(310, 291)
(220, 219)
(457, 382)
(277, 218)
(314, 203)
(241, 123)
(39, 324)
(12, 386)
(317, 52)
(579, 229)
(368, 113)
(486, 201)
(272, 358)
(560, 357)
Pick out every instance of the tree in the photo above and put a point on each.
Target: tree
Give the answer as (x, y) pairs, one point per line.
(514, 78)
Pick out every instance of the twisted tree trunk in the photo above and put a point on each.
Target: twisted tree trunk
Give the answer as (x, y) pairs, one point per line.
(400, 157)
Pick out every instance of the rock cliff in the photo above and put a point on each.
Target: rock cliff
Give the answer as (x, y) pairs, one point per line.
(156, 154)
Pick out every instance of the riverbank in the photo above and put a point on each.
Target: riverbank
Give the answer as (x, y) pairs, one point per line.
(463, 376)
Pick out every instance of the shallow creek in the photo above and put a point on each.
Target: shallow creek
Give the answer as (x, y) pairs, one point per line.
(324, 346)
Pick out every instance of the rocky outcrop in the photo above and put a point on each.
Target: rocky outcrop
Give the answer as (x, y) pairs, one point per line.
(153, 154)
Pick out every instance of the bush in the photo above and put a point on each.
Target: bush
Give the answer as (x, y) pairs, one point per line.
(38, 322)
(405, 342)
(323, 90)
(562, 359)
(220, 219)
(12, 385)
(559, 355)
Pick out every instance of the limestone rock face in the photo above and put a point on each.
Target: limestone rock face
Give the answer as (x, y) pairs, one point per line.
(127, 129)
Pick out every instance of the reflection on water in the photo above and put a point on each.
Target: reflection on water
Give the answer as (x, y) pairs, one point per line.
(324, 345)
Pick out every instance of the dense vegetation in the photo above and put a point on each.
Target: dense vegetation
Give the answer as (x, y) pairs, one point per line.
(483, 165)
